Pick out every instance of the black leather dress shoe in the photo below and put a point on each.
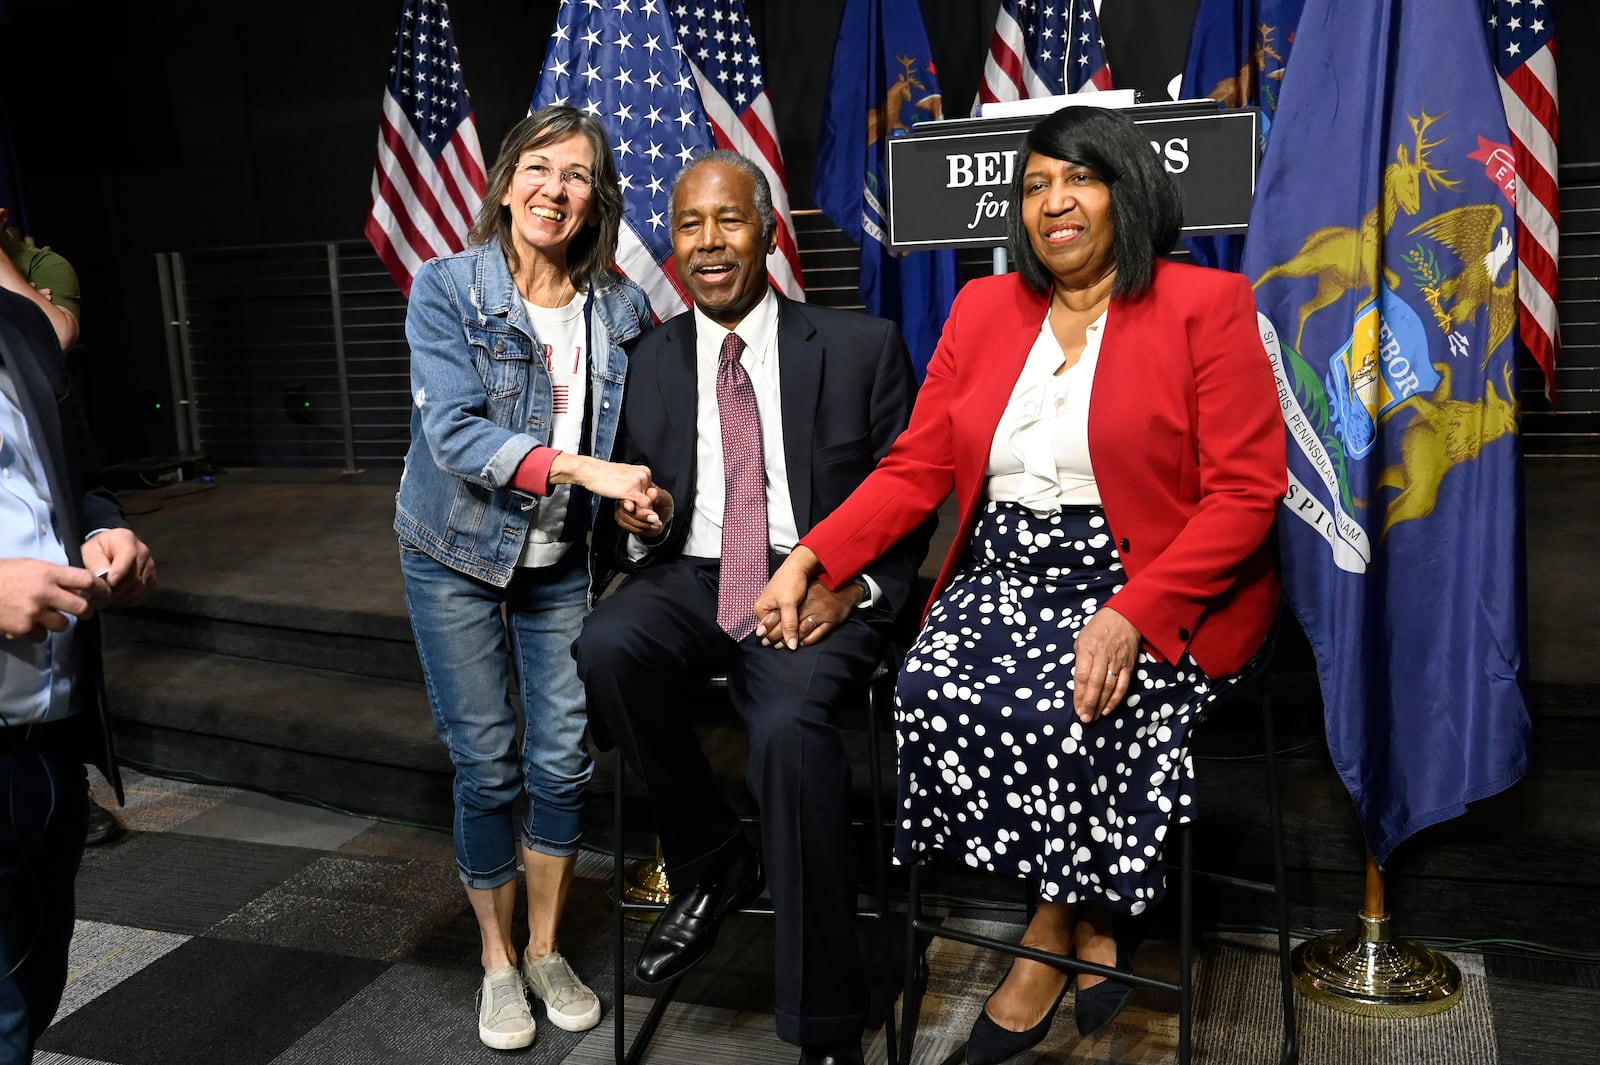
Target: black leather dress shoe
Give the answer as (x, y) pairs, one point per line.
(103, 826)
(990, 1044)
(687, 929)
(1097, 1006)
(837, 1054)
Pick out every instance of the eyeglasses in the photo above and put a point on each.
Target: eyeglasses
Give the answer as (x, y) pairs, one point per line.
(577, 182)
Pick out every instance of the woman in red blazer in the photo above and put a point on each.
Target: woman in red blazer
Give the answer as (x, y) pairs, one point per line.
(1109, 425)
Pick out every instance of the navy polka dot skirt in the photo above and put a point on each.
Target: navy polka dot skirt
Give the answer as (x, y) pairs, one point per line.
(995, 768)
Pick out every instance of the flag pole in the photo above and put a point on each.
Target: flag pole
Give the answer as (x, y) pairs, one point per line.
(1370, 971)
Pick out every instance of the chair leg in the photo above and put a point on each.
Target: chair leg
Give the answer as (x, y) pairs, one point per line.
(1291, 1050)
(1185, 942)
(916, 975)
(619, 929)
(880, 856)
(624, 1053)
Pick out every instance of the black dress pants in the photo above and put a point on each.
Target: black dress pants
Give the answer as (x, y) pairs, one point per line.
(649, 648)
(44, 813)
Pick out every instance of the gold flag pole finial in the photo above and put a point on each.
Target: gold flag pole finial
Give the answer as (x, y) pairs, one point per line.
(1371, 972)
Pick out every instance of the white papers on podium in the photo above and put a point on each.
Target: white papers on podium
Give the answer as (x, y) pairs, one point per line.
(1044, 105)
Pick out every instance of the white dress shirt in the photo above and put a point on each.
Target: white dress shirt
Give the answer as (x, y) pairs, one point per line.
(759, 331)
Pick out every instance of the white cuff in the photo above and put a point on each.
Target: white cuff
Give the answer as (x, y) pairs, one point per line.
(637, 550)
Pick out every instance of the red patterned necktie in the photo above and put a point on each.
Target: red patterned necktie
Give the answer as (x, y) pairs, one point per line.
(744, 505)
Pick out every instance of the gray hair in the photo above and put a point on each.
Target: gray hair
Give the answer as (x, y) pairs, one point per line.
(731, 158)
(593, 252)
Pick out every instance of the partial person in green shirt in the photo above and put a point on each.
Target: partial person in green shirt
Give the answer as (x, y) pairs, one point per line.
(44, 277)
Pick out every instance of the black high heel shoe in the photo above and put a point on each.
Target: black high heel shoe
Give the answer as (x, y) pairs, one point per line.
(990, 1044)
(1097, 1006)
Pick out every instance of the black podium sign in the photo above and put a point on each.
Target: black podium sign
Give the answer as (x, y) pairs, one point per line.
(950, 187)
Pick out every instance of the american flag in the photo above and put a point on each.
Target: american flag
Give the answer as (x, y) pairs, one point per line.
(722, 51)
(627, 66)
(1044, 48)
(428, 181)
(1523, 35)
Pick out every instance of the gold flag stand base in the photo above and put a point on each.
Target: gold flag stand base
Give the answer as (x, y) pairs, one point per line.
(646, 882)
(1372, 973)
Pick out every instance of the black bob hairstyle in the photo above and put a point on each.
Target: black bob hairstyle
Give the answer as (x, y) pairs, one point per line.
(1146, 205)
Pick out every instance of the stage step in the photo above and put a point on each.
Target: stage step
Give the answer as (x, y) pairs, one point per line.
(364, 744)
(346, 643)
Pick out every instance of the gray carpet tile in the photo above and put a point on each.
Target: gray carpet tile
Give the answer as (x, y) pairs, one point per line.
(1536, 1024)
(385, 840)
(1238, 1020)
(211, 1003)
(1238, 991)
(690, 1034)
(248, 990)
(418, 1013)
(178, 883)
(104, 955)
(348, 904)
(256, 818)
(585, 938)
(1534, 970)
(736, 975)
(151, 804)
(594, 865)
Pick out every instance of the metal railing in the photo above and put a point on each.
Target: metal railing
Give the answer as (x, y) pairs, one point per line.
(287, 355)
(295, 354)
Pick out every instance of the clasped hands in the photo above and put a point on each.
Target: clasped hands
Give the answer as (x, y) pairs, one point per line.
(794, 610)
(812, 609)
(39, 597)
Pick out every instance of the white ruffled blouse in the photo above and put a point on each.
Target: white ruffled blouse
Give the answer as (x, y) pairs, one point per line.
(1040, 454)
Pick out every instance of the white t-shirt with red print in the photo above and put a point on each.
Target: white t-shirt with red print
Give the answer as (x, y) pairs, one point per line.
(560, 344)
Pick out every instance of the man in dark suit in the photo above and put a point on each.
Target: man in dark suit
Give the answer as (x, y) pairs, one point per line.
(756, 416)
(65, 552)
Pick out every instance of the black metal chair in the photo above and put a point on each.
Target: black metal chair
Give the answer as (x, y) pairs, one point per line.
(878, 707)
(920, 930)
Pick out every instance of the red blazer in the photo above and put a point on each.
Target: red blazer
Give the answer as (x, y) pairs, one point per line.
(1185, 435)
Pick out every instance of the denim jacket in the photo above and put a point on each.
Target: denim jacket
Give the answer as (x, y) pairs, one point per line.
(481, 401)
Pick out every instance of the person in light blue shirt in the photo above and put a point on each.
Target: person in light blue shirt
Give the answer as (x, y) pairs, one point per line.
(65, 554)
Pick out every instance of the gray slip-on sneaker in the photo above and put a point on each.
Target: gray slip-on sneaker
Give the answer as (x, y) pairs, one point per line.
(504, 1020)
(567, 1000)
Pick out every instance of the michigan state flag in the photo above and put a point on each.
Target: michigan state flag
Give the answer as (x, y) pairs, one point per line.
(1238, 52)
(1382, 248)
(883, 80)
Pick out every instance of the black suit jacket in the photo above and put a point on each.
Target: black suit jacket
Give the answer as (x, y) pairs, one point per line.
(847, 389)
(78, 495)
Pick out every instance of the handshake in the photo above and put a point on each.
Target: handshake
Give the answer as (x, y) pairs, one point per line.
(645, 513)
(795, 610)
(643, 507)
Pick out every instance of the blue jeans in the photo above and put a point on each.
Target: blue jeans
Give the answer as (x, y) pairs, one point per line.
(462, 639)
(44, 812)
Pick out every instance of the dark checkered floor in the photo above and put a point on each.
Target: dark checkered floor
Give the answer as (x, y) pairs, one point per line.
(232, 929)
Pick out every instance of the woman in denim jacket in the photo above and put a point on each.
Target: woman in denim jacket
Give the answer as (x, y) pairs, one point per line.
(519, 347)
